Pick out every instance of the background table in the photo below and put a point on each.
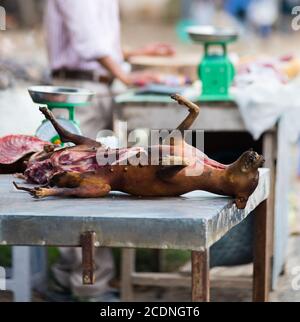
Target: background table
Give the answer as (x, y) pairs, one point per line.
(191, 222)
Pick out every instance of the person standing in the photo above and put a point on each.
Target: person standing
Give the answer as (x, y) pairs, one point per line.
(84, 48)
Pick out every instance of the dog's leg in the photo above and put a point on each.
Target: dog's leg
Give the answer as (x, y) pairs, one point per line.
(193, 112)
(175, 137)
(90, 187)
(65, 135)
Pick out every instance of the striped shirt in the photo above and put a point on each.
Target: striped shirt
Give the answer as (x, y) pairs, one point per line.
(80, 32)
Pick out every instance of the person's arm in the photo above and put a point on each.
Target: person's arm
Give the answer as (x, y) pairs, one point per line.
(130, 79)
(138, 78)
(82, 21)
(115, 69)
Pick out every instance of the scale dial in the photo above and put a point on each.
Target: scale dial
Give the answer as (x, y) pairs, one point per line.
(47, 132)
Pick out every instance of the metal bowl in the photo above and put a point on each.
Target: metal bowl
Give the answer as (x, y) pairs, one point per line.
(60, 95)
(210, 34)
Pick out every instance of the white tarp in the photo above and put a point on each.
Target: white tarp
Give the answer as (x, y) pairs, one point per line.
(264, 103)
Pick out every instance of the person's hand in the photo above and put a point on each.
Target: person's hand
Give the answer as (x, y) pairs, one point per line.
(158, 49)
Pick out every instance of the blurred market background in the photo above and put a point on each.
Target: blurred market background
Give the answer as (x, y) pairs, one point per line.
(267, 34)
(265, 28)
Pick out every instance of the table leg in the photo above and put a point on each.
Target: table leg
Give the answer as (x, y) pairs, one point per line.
(88, 257)
(127, 269)
(261, 270)
(269, 151)
(200, 276)
(158, 259)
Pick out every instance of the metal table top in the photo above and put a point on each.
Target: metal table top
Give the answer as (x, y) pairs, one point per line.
(193, 221)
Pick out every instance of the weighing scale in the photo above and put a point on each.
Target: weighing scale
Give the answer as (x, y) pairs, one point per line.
(216, 71)
(54, 97)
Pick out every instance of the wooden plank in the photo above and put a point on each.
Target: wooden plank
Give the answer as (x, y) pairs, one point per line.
(261, 268)
(179, 280)
(127, 269)
(161, 279)
(200, 276)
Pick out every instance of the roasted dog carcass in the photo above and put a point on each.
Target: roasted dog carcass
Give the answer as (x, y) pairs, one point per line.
(79, 171)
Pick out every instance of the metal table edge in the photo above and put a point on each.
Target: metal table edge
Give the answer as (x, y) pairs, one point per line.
(208, 230)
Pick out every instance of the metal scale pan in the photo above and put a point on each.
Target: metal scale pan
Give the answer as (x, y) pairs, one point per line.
(211, 34)
(60, 96)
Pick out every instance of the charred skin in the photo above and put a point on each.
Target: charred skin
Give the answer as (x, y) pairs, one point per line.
(186, 169)
(237, 180)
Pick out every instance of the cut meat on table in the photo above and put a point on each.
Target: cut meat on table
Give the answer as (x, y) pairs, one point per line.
(15, 147)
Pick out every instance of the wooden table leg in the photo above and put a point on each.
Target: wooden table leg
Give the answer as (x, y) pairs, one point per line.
(261, 270)
(158, 260)
(269, 151)
(200, 276)
(88, 257)
(127, 269)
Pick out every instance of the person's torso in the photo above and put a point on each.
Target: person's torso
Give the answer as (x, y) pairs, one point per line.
(60, 47)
